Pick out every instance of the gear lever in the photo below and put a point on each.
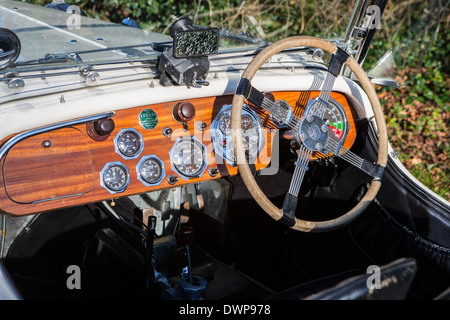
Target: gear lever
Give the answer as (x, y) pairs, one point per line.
(194, 287)
(186, 236)
(150, 273)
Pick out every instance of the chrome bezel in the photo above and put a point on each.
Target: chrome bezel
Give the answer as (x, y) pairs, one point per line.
(106, 168)
(204, 154)
(141, 142)
(289, 113)
(336, 104)
(217, 135)
(139, 168)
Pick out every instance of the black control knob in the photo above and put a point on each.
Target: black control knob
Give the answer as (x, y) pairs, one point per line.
(104, 127)
(186, 235)
(183, 111)
(101, 129)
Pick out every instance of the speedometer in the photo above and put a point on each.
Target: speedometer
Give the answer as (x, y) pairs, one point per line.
(188, 157)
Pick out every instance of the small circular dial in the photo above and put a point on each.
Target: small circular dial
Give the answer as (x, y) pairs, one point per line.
(129, 143)
(116, 178)
(225, 125)
(151, 170)
(336, 120)
(188, 157)
(335, 117)
(246, 122)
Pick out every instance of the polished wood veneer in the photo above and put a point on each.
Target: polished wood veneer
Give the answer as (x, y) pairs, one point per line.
(35, 179)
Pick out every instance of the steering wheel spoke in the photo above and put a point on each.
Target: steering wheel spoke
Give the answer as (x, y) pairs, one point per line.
(257, 98)
(374, 170)
(291, 198)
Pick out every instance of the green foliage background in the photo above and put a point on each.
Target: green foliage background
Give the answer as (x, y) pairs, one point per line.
(417, 115)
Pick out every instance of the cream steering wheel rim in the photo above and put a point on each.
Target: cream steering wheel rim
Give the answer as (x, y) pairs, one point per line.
(244, 170)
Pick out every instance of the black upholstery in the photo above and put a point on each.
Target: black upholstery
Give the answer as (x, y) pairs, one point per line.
(395, 281)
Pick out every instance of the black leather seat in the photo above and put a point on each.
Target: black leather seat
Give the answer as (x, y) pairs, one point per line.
(395, 281)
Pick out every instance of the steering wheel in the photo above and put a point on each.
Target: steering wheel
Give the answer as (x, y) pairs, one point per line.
(314, 135)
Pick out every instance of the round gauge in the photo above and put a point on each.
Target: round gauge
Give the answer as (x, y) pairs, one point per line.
(252, 134)
(335, 118)
(188, 157)
(115, 177)
(246, 122)
(129, 143)
(225, 125)
(151, 170)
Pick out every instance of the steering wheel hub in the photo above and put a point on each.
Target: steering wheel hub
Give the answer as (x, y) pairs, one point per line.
(313, 133)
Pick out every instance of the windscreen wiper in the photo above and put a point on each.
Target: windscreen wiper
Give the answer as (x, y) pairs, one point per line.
(53, 58)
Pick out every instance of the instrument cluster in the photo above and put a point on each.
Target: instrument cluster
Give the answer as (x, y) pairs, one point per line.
(188, 155)
(141, 149)
(252, 134)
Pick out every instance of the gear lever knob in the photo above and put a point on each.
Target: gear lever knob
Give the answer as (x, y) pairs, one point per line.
(186, 235)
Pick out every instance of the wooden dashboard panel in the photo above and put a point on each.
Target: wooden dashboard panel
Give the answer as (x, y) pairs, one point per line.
(76, 179)
(35, 172)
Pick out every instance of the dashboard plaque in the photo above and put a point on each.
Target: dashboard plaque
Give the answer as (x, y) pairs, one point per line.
(148, 119)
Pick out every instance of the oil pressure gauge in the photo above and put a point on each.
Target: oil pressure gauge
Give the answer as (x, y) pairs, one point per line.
(129, 143)
(115, 177)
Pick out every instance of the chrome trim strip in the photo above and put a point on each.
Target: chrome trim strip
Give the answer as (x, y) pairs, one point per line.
(21, 136)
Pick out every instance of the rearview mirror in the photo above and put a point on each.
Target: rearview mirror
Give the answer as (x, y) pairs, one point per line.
(195, 43)
(9, 48)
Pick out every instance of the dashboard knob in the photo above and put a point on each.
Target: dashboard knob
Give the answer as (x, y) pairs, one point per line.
(101, 129)
(104, 126)
(183, 111)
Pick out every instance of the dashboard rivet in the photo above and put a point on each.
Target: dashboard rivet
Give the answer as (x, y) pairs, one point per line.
(46, 144)
(167, 132)
(172, 179)
(213, 171)
(201, 126)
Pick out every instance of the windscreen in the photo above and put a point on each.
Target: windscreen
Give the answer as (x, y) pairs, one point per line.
(406, 33)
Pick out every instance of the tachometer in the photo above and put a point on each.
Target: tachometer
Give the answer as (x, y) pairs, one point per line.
(188, 157)
(335, 118)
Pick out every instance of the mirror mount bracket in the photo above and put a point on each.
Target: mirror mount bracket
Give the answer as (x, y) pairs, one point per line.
(186, 62)
(189, 71)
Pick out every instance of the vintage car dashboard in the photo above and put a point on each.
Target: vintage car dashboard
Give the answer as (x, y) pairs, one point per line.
(142, 149)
